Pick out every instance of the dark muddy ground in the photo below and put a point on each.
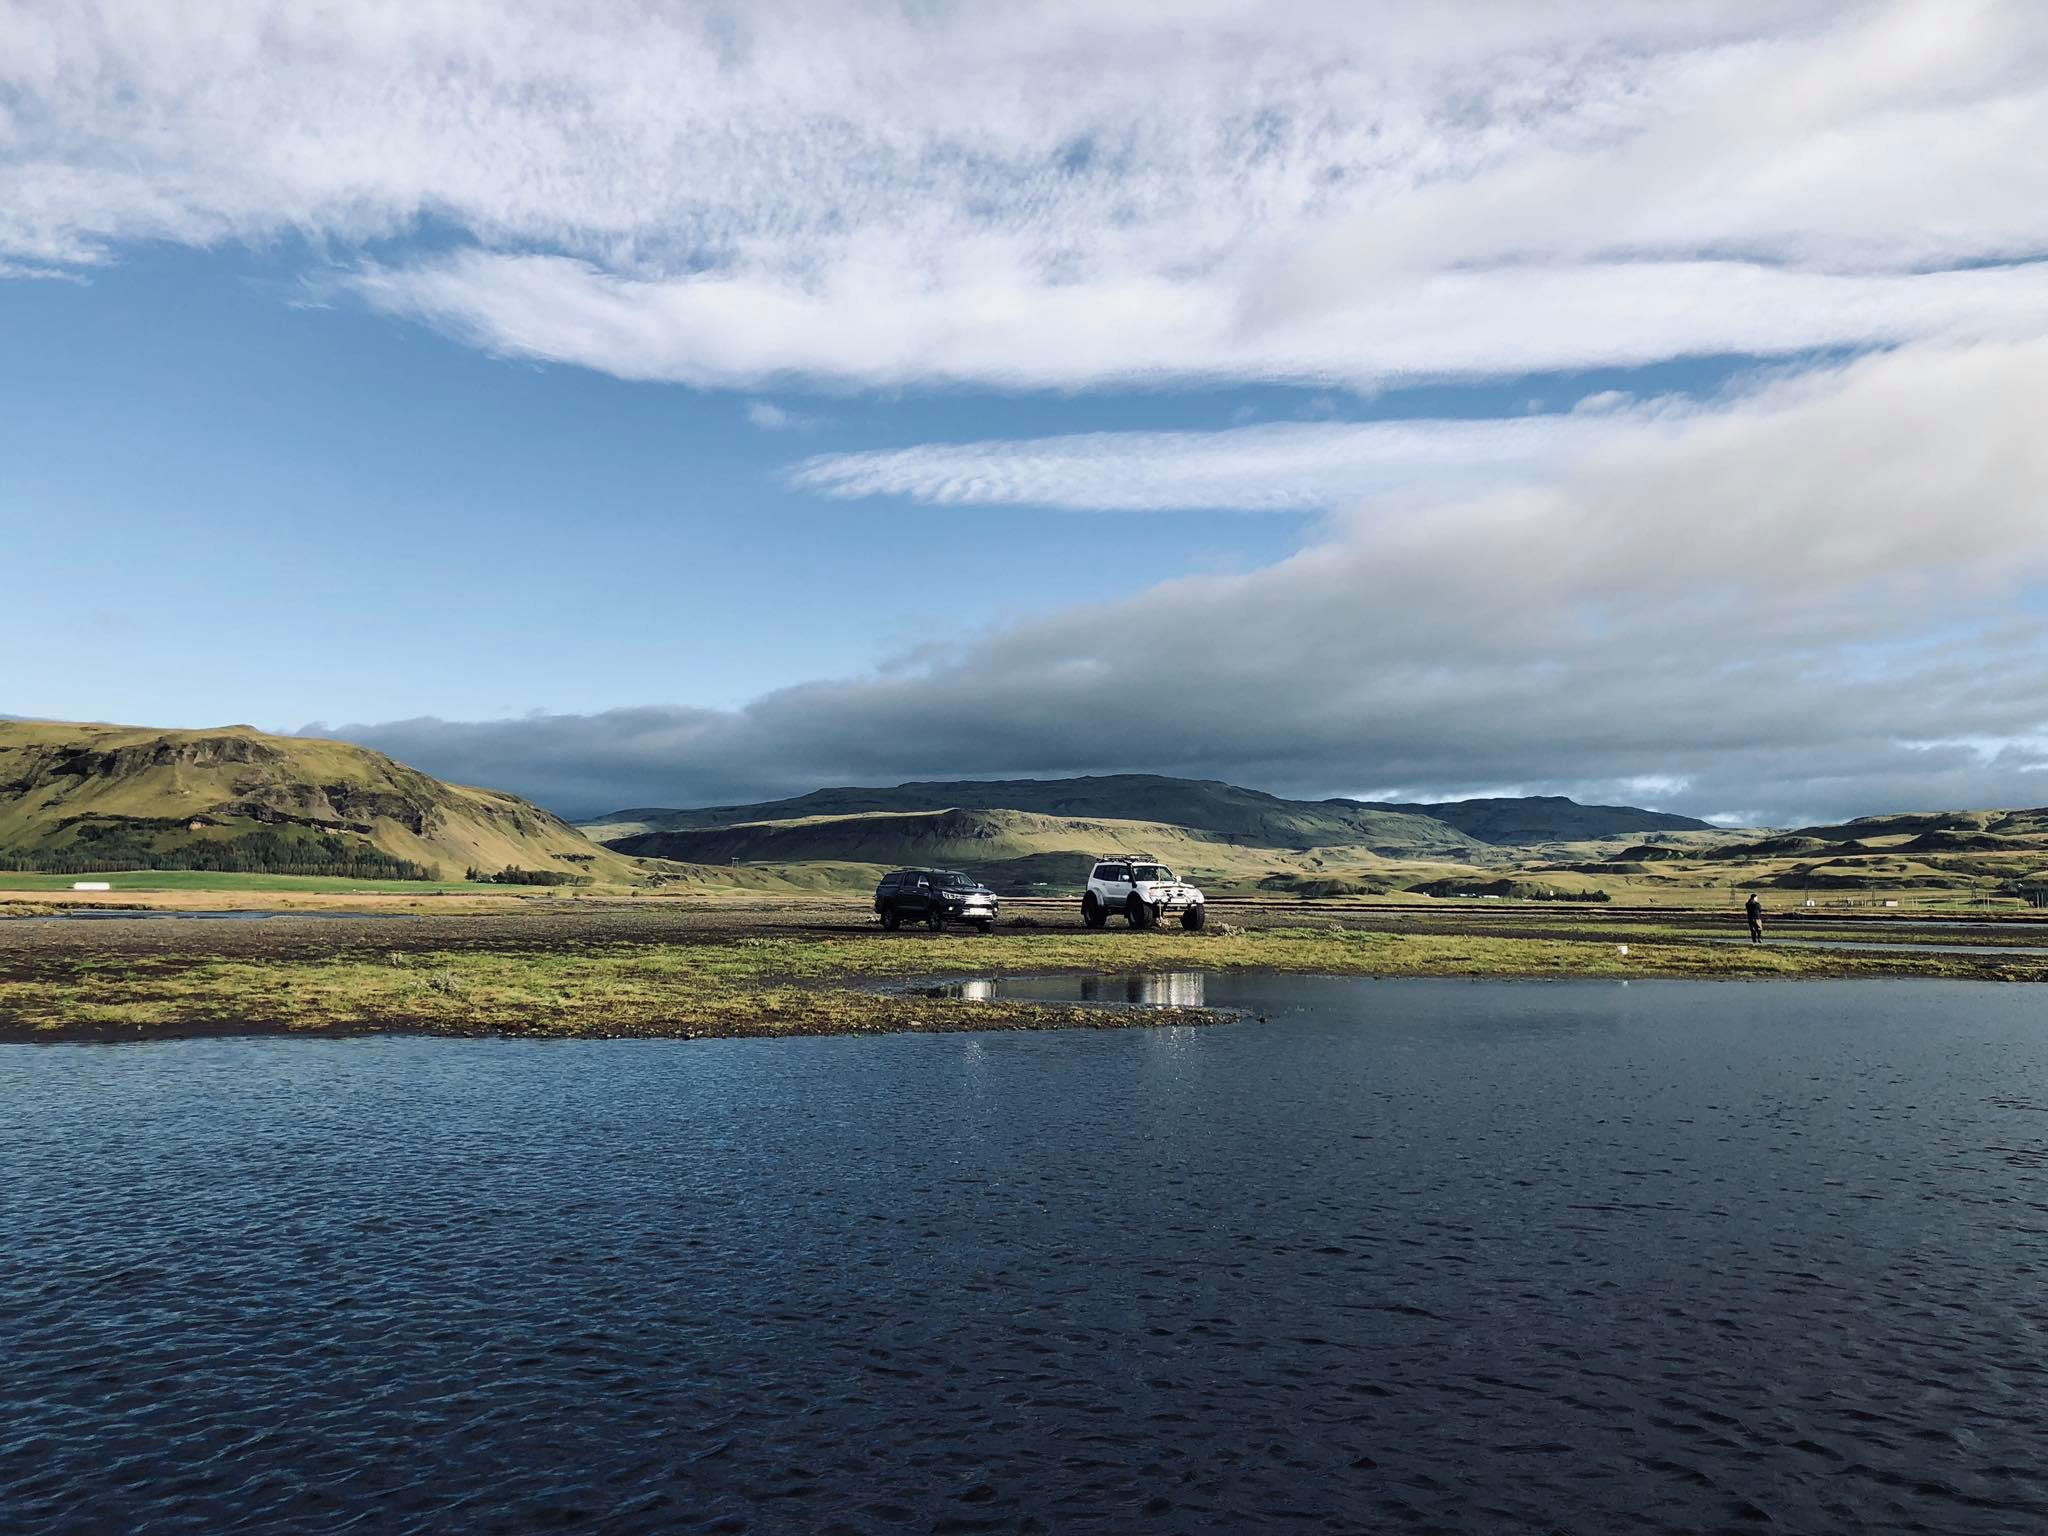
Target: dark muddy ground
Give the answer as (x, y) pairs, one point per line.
(26, 946)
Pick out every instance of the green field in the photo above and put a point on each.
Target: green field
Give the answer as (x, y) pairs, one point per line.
(739, 983)
(207, 880)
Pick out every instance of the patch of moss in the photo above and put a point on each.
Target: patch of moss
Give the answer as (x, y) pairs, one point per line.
(798, 984)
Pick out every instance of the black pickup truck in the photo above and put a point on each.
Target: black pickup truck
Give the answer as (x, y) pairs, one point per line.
(932, 897)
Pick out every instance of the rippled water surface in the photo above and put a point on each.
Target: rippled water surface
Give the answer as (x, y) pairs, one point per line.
(1445, 1256)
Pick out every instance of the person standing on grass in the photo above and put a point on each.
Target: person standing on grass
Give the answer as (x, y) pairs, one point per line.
(1754, 911)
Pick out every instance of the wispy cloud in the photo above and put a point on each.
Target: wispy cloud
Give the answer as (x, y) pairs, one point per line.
(1064, 195)
(1278, 467)
(879, 324)
(770, 417)
(33, 271)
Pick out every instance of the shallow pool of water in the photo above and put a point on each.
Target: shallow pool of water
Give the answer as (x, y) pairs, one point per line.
(1449, 1256)
(1142, 989)
(1881, 946)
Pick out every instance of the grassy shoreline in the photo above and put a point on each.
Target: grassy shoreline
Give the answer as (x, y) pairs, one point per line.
(734, 982)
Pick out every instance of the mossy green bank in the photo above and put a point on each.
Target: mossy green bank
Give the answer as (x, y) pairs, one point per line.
(790, 985)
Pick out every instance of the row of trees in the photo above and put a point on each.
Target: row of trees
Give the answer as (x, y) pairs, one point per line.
(512, 874)
(102, 847)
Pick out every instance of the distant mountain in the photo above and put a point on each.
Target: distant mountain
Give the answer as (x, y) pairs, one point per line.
(1247, 817)
(1913, 832)
(884, 837)
(2022, 824)
(1021, 852)
(85, 798)
(1014, 850)
(1527, 819)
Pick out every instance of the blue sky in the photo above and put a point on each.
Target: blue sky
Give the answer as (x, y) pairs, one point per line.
(687, 404)
(246, 507)
(251, 505)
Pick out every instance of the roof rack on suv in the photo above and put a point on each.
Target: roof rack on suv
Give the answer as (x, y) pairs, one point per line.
(1125, 857)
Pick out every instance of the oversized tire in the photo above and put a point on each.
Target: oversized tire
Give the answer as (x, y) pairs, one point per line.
(891, 919)
(936, 921)
(1195, 919)
(1140, 914)
(987, 925)
(1091, 911)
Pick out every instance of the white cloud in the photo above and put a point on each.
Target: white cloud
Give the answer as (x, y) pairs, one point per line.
(1809, 602)
(1818, 595)
(770, 417)
(1062, 194)
(880, 324)
(1278, 467)
(32, 271)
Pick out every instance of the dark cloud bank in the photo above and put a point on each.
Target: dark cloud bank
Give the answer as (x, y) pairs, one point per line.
(1822, 599)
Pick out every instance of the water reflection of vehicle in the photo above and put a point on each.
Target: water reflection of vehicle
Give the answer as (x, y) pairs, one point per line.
(1171, 989)
(1167, 989)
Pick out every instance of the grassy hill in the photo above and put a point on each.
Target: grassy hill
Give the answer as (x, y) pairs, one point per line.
(1022, 852)
(1531, 819)
(1038, 834)
(1013, 850)
(86, 798)
(236, 803)
(1940, 858)
(1235, 841)
(1248, 817)
(883, 837)
(1981, 829)
(2021, 834)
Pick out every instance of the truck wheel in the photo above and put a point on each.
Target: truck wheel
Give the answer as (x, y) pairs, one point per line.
(1195, 918)
(891, 919)
(936, 921)
(1091, 911)
(1138, 912)
(987, 925)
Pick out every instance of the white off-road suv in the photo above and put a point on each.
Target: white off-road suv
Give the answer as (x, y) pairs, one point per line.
(1142, 891)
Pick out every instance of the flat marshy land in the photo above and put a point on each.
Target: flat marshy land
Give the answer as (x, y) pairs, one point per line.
(655, 967)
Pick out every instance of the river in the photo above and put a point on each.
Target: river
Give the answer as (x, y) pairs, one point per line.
(1464, 1257)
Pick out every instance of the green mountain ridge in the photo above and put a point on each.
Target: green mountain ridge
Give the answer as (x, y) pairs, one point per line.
(1525, 820)
(1914, 832)
(85, 798)
(1022, 852)
(955, 836)
(90, 798)
(1249, 817)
